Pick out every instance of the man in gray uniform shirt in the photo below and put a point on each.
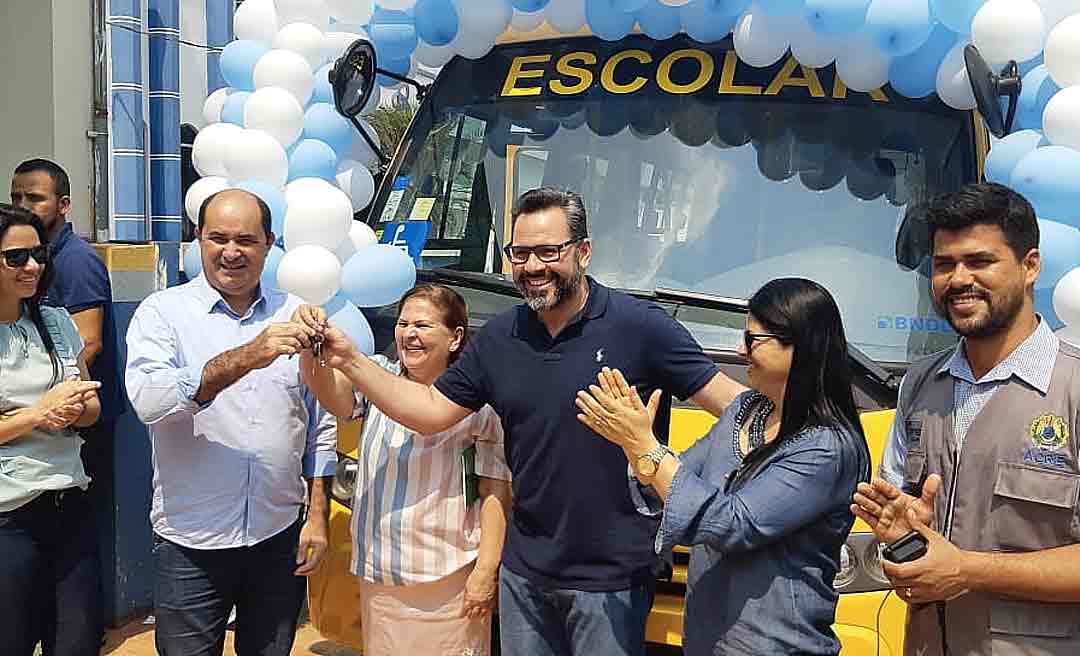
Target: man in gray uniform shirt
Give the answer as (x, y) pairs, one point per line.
(984, 449)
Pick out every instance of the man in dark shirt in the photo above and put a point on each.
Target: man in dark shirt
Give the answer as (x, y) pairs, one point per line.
(579, 559)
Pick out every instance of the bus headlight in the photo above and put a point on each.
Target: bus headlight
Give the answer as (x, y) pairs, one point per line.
(860, 566)
(344, 485)
(872, 558)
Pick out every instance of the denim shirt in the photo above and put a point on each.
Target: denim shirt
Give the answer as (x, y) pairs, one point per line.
(764, 555)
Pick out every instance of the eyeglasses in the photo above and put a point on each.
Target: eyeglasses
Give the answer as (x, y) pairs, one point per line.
(18, 257)
(547, 253)
(749, 338)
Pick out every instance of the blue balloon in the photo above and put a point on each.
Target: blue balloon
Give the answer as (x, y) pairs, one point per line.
(233, 109)
(607, 20)
(1036, 90)
(393, 33)
(270, 267)
(1007, 153)
(781, 7)
(323, 92)
(343, 315)
(659, 21)
(528, 6)
(1050, 179)
(1031, 64)
(956, 14)
(915, 76)
(899, 27)
(708, 21)
(377, 275)
(192, 260)
(836, 17)
(1059, 246)
(322, 122)
(399, 66)
(274, 199)
(628, 5)
(238, 61)
(311, 158)
(436, 21)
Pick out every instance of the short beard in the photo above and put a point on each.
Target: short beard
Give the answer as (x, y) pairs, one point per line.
(564, 289)
(997, 320)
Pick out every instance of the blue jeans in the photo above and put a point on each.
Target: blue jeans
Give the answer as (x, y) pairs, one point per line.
(50, 578)
(539, 621)
(196, 588)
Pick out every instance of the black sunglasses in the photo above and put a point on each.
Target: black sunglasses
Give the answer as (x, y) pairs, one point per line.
(18, 257)
(749, 338)
(546, 253)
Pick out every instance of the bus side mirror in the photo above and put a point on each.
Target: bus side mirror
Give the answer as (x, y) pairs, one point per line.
(989, 87)
(352, 78)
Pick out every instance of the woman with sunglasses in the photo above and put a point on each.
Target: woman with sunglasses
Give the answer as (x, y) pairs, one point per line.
(49, 569)
(763, 497)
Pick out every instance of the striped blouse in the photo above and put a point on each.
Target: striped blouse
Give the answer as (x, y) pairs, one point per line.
(410, 523)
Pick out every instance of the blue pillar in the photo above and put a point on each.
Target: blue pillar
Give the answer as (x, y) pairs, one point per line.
(219, 32)
(127, 121)
(166, 217)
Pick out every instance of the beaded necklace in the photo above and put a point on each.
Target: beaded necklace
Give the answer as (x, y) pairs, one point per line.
(756, 431)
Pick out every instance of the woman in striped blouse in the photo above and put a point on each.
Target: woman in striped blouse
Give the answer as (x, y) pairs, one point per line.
(426, 551)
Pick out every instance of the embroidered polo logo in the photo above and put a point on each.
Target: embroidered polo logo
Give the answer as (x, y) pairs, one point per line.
(599, 355)
(1049, 432)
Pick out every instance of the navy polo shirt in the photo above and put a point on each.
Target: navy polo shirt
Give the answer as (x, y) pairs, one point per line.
(574, 524)
(81, 282)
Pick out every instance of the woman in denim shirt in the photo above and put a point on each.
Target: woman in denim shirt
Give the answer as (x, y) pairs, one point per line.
(764, 496)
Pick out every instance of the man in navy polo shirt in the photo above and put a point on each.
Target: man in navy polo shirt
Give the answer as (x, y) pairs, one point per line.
(578, 569)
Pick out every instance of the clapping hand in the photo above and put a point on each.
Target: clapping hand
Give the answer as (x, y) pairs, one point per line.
(885, 508)
(65, 402)
(614, 410)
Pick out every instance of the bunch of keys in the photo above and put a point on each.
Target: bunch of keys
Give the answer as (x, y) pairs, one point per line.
(316, 348)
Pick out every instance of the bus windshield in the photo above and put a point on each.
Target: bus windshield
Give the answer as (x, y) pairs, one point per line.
(700, 174)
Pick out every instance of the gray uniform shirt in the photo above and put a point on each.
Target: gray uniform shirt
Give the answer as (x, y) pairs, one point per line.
(41, 459)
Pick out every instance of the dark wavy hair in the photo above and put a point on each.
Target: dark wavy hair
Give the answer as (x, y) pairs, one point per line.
(818, 391)
(455, 314)
(10, 217)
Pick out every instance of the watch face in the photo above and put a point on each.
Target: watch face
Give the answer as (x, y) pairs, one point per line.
(646, 466)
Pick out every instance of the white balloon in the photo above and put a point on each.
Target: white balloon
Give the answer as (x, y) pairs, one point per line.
(211, 144)
(675, 3)
(397, 5)
(483, 20)
(433, 56)
(953, 85)
(199, 191)
(255, 155)
(1063, 52)
(472, 46)
(355, 180)
(336, 42)
(211, 109)
(812, 49)
(1008, 29)
(311, 272)
(303, 11)
(305, 40)
(276, 112)
(524, 21)
(351, 11)
(1055, 11)
(760, 39)
(360, 150)
(288, 70)
(566, 16)
(316, 214)
(1067, 298)
(1069, 334)
(256, 20)
(862, 66)
(360, 236)
(1061, 119)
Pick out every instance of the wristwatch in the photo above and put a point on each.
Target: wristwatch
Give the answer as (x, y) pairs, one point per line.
(649, 463)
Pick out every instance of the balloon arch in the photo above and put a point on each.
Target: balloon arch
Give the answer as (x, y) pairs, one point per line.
(274, 130)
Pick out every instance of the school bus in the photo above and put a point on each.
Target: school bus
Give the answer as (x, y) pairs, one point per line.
(704, 178)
